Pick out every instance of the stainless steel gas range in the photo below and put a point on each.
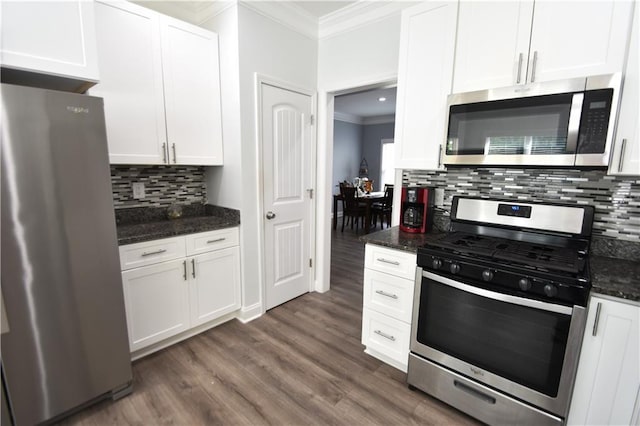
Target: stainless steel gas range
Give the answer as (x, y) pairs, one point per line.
(500, 309)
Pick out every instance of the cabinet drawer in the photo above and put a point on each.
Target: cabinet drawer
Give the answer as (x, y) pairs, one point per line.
(388, 294)
(389, 261)
(386, 335)
(214, 240)
(150, 252)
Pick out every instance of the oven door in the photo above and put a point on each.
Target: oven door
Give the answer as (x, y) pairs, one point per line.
(525, 348)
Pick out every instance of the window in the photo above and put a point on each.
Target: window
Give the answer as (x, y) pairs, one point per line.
(387, 166)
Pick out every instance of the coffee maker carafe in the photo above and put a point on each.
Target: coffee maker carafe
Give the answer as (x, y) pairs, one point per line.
(416, 213)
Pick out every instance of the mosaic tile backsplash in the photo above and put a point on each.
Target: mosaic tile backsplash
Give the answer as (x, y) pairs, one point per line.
(616, 199)
(164, 185)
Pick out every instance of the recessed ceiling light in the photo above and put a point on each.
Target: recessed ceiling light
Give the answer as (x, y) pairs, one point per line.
(382, 99)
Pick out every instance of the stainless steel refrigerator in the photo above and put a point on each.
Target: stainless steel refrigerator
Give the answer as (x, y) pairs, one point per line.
(64, 334)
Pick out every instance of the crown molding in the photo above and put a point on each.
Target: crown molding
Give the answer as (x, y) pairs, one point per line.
(347, 118)
(358, 14)
(289, 15)
(209, 10)
(380, 119)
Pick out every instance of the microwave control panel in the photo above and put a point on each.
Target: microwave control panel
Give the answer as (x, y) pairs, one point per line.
(594, 123)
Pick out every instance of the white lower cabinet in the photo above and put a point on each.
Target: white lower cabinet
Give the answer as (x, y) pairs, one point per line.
(156, 301)
(168, 298)
(607, 386)
(388, 303)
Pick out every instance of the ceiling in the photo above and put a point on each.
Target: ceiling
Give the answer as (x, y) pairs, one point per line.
(366, 104)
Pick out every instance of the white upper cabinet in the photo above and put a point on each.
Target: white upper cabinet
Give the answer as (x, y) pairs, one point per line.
(625, 158)
(509, 43)
(161, 85)
(427, 44)
(192, 93)
(492, 45)
(50, 37)
(577, 39)
(131, 85)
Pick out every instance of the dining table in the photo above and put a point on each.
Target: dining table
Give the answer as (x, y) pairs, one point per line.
(367, 199)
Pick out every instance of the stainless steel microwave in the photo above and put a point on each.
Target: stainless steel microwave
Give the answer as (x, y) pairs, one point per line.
(558, 123)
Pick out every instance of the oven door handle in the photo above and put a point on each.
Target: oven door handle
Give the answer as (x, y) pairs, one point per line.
(529, 303)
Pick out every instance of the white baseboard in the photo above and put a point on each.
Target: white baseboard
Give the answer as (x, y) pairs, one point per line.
(249, 313)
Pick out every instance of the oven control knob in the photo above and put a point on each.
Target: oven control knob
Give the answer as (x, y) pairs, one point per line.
(487, 275)
(436, 264)
(524, 284)
(454, 268)
(550, 290)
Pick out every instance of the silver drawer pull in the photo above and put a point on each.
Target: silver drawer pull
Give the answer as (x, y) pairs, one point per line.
(151, 253)
(217, 240)
(390, 262)
(384, 293)
(385, 335)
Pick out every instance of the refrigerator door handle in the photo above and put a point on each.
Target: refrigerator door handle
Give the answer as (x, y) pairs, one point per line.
(4, 322)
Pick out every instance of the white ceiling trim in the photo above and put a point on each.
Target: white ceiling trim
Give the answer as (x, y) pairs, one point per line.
(381, 119)
(358, 14)
(347, 118)
(211, 9)
(293, 17)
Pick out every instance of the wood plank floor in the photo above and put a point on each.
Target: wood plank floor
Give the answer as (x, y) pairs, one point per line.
(301, 363)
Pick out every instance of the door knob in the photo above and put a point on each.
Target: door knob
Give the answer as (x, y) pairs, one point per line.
(270, 215)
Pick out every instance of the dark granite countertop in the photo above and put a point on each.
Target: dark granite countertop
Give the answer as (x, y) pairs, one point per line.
(395, 238)
(151, 223)
(615, 277)
(611, 276)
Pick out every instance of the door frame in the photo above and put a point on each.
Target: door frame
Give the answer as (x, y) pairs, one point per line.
(324, 169)
(261, 79)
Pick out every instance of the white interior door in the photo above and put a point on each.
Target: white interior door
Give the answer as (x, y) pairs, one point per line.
(287, 142)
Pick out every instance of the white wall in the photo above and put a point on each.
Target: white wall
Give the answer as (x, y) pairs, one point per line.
(367, 53)
(273, 50)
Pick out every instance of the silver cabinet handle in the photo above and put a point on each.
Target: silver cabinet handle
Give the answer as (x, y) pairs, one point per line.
(519, 77)
(184, 265)
(164, 153)
(621, 161)
(384, 293)
(270, 215)
(217, 240)
(175, 158)
(390, 262)
(385, 335)
(595, 323)
(193, 267)
(533, 66)
(151, 253)
(439, 156)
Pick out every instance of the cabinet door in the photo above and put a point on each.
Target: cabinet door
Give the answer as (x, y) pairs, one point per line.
(625, 158)
(427, 44)
(577, 39)
(608, 378)
(51, 37)
(492, 45)
(192, 93)
(157, 302)
(131, 82)
(215, 284)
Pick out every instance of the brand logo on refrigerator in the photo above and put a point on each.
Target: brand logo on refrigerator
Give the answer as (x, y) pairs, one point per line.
(477, 371)
(78, 110)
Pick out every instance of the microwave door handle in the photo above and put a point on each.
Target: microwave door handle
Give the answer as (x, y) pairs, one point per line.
(573, 130)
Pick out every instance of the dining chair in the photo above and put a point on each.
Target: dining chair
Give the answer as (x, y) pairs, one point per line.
(383, 208)
(351, 208)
